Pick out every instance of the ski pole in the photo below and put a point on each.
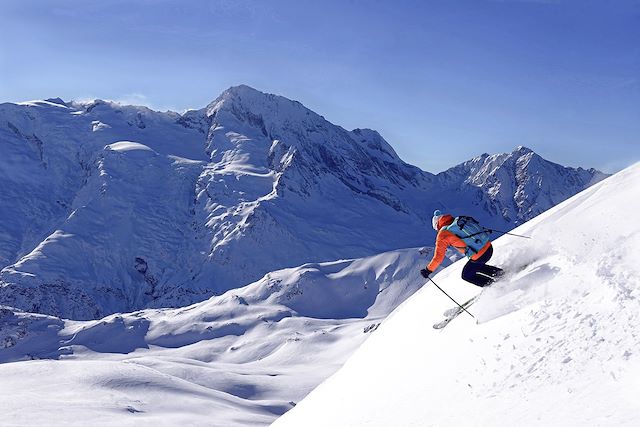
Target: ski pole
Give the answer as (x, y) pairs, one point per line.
(510, 234)
(451, 298)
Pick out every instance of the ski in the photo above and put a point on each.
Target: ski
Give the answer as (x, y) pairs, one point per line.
(454, 312)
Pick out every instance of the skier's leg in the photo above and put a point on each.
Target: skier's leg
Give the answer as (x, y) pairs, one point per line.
(482, 281)
(470, 274)
(484, 268)
(492, 271)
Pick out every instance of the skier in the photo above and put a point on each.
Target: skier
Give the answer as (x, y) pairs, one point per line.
(478, 250)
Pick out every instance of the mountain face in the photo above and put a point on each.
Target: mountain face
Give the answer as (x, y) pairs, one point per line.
(521, 184)
(109, 208)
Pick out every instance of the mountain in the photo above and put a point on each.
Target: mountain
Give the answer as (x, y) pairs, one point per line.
(520, 185)
(251, 354)
(555, 344)
(113, 208)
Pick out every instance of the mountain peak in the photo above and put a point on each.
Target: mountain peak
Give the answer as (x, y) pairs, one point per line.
(522, 150)
(58, 101)
(242, 88)
(246, 98)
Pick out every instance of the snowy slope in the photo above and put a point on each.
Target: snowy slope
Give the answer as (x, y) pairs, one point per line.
(112, 208)
(557, 342)
(129, 221)
(242, 358)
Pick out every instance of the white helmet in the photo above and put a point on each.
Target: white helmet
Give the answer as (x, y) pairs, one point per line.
(436, 217)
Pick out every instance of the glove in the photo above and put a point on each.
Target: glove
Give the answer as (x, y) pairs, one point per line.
(425, 272)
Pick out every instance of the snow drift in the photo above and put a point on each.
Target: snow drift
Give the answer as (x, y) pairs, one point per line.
(556, 344)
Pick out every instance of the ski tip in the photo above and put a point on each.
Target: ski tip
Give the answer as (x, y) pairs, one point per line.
(441, 325)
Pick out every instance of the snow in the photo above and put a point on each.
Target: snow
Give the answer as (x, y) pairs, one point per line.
(111, 392)
(556, 343)
(124, 146)
(241, 358)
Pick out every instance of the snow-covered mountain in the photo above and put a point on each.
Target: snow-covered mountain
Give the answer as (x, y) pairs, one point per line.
(109, 208)
(520, 185)
(556, 329)
(556, 344)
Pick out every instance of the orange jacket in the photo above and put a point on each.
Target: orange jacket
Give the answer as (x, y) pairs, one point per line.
(445, 239)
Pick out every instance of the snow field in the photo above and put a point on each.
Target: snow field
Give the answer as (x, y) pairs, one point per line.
(242, 358)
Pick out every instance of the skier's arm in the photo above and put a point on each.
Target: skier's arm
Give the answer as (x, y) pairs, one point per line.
(439, 252)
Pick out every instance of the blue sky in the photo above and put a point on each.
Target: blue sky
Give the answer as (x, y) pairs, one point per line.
(442, 81)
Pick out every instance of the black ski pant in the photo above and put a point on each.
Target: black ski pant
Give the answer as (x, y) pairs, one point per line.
(478, 272)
